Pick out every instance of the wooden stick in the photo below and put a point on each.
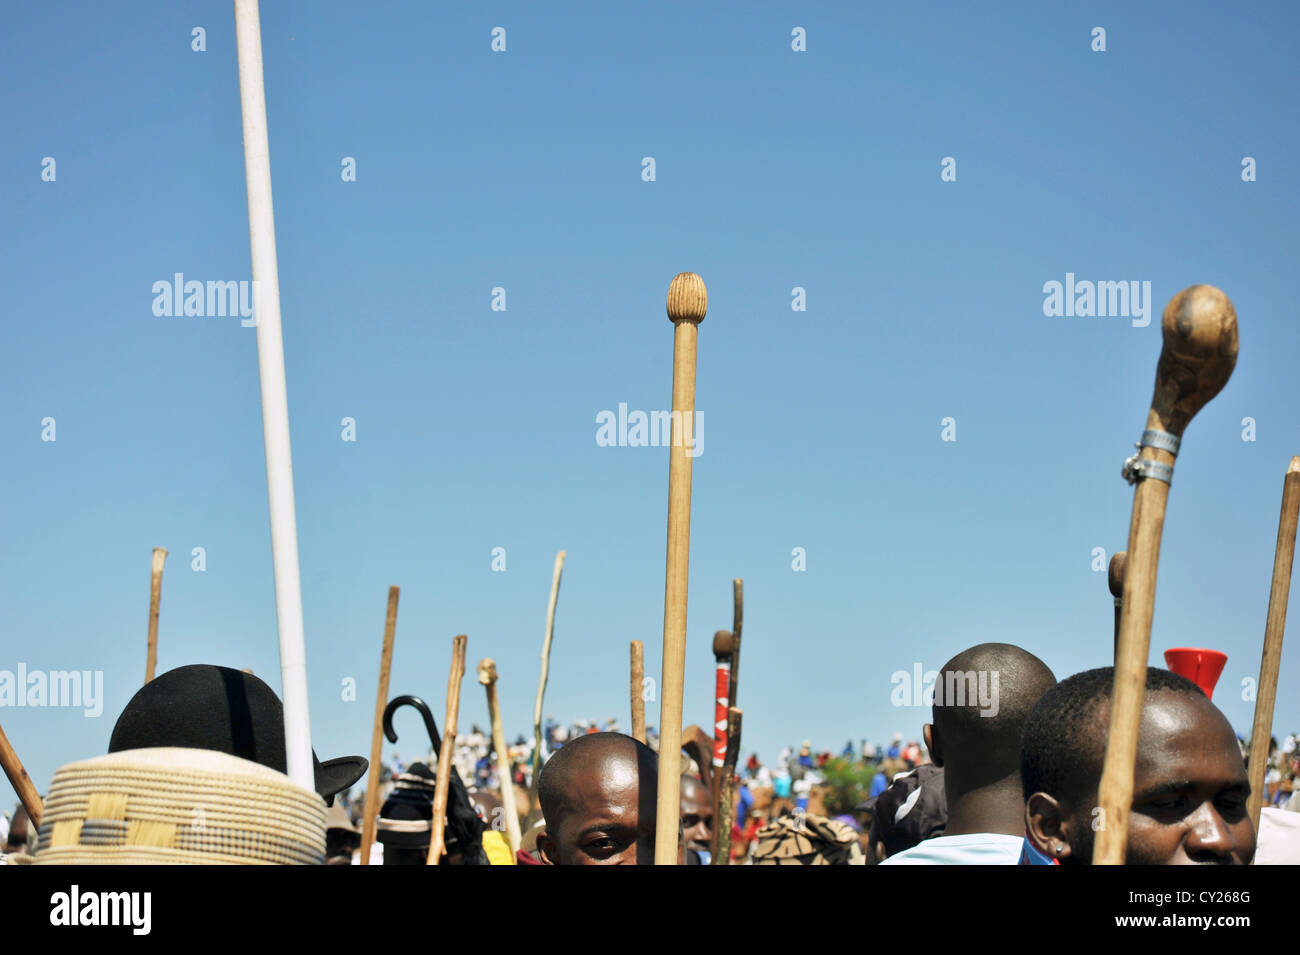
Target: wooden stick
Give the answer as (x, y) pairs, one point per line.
(638, 691)
(724, 812)
(723, 650)
(1274, 627)
(1115, 582)
(21, 782)
(487, 675)
(541, 685)
(300, 765)
(688, 301)
(1200, 349)
(436, 840)
(155, 602)
(370, 815)
(737, 624)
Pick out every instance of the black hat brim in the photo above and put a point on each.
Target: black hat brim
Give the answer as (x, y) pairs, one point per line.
(335, 775)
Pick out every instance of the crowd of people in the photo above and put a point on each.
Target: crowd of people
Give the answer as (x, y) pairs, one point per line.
(1014, 785)
(1018, 787)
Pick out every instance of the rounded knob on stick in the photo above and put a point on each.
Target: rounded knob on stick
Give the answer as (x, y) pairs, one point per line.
(487, 671)
(1200, 350)
(688, 299)
(1115, 573)
(723, 644)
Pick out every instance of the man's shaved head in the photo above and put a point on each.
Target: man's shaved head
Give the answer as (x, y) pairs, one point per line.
(598, 797)
(982, 701)
(1063, 750)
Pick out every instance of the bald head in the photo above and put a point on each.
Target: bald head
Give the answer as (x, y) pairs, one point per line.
(598, 798)
(982, 700)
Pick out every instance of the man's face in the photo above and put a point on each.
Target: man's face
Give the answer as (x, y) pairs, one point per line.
(608, 817)
(697, 815)
(1189, 790)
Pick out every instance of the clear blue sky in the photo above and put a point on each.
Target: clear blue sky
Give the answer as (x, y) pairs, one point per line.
(476, 428)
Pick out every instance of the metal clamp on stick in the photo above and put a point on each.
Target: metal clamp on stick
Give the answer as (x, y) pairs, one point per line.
(1136, 467)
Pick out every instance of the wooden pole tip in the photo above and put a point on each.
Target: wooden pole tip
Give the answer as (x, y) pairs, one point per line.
(723, 644)
(1294, 467)
(688, 299)
(1199, 353)
(487, 671)
(1115, 575)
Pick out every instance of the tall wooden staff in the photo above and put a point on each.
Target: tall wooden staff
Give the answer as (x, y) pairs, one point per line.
(155, 602)
(1200, 349)
(638, 691)
(371, 810)
(688, 300)
(441, 784)
(724, 811)
(724, 791)
(275, 400)
(21, 782)
(1115, 582)
(726, 656)
(737, 624)
(722, 649)
(1274, 626)
(541, 682)
(487, 675)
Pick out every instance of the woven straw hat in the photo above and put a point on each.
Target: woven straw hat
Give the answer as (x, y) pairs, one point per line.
(178, 806)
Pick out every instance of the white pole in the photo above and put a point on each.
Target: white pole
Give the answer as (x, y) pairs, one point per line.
(275, 402)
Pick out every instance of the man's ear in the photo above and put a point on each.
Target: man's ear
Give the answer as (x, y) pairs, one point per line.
(1047, 827)
(932, 743)
(547, 849)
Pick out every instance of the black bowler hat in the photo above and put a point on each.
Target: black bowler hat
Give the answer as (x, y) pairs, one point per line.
(233, 712)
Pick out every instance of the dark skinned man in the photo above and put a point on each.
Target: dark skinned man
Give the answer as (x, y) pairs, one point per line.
(598, 796)
(697, 818)
(1190, 785)
(982, 700)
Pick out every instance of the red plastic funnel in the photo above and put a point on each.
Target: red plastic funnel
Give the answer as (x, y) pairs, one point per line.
(1198, 664)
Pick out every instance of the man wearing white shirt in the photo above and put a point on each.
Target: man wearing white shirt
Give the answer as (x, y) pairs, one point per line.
(982, 700)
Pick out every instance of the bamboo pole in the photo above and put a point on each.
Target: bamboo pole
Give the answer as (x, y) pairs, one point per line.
(487, 675)
(687, 304)
(541, 684)
(437, 844)
(638, 692)
(371, 811)
(155, 602)
(21, 782)
(1274, 628)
